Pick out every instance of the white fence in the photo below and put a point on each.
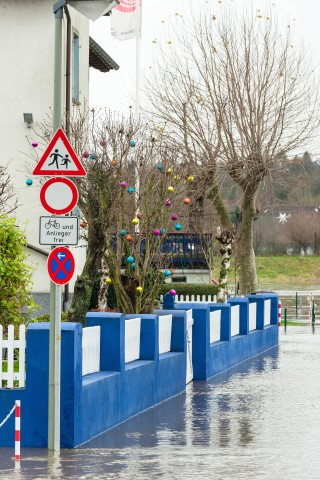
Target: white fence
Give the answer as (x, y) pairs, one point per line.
(8, 378)
(90, 350)
(196, 298)
(215, 326)
(235, 320)
(252, 316)
(267, 312)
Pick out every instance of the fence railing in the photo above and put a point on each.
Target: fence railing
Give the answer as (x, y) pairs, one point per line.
(193, 298)
(14, 352)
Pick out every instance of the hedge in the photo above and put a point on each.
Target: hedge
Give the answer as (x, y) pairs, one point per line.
(189, 289)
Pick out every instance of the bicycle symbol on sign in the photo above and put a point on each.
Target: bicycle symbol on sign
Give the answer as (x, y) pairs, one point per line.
(52, 223)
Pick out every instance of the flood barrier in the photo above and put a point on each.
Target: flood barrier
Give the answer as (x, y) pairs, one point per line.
(123, 364)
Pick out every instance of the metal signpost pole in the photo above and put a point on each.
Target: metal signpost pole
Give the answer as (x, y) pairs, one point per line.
(55, 290)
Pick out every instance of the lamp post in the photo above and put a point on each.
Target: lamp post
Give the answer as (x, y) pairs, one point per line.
(92, 9)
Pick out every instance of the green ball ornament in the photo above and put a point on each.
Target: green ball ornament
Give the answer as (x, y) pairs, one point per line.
(122, 232)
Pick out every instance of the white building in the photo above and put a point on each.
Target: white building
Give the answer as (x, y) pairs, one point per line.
(27, 29)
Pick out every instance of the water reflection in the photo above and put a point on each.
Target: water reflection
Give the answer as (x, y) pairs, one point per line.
(257, 421)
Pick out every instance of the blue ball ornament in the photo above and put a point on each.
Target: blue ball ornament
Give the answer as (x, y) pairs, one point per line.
(132, 143)
(130, 190)
(178, 226)
(130, 259)
(163, 231)
(122, 232)
(160, 166)
(167, 273)
(29, 182)
(133, 266)
(92, 156)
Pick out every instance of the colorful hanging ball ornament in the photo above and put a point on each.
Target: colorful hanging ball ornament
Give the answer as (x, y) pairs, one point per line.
(172, 271)
(123, 184)
(113, 163)
(85, 154)
(122, 232)
(34, 144)
(92, 156)
(108, 280)
(133, 266)
(190, 179)
(83, 224)
(139, 215)
(163, 231)
(176, 178)
(168, 203)
(135, 221)
(174, 216)
(29, 182)
(132, 143)
(129, 238)
(130, 259)
(130, 190)
(167, 273)
(186, 201)
(170, 189)
(156, 232)
(178, 226)
(160, 166)
(139, 289)
(102, 142)
(169, 171)
(173, 292)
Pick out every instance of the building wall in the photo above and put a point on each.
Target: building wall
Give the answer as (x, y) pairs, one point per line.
(27, 61)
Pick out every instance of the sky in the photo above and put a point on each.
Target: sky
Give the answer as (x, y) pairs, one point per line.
(115, 90)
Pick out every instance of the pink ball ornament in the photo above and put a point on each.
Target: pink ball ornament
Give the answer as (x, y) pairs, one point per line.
(34, 144)
(102, 142)
(173, 292)
(85, 154)
(174, 216)
(123, 184)
(156, 232)
(168, 203)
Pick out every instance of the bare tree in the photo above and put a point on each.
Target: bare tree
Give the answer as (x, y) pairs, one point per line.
(8, 201)
(241, 96)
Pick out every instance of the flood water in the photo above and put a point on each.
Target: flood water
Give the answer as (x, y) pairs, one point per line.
(258, 421)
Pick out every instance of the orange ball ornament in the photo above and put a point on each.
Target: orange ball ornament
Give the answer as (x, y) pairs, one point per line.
(129, 238)
(186, 201)
(113, 163)
(139, 215)
(83, 224)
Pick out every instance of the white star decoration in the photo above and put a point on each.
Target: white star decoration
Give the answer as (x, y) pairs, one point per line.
(283, 217)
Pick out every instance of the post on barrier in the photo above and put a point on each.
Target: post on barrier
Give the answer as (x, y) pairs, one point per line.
(285, 319)
(17, 430)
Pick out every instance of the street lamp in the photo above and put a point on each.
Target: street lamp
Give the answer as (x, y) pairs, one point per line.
(92, 9)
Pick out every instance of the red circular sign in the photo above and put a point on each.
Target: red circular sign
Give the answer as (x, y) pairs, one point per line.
(61, 265)
(59, 195)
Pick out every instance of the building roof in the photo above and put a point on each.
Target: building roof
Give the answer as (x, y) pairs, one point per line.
(99, 59)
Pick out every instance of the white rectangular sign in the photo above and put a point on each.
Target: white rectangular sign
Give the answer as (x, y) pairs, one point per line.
(59, 231)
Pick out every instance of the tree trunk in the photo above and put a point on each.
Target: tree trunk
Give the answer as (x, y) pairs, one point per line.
(84, 284)
(246, 258)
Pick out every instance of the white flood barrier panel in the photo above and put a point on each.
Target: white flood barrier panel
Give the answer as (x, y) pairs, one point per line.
(189, 346)
(165, 327)
(132, 339)
(235, 320)
(90, 350)
(252, 316)
(267, 312)
(215, 326)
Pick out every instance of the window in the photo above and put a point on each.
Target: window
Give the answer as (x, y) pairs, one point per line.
(75, 77)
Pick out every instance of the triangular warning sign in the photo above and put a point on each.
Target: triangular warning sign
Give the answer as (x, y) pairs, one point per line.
(59, 158)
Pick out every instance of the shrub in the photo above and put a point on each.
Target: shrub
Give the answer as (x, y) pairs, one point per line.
(189, 289)
(16, 301)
